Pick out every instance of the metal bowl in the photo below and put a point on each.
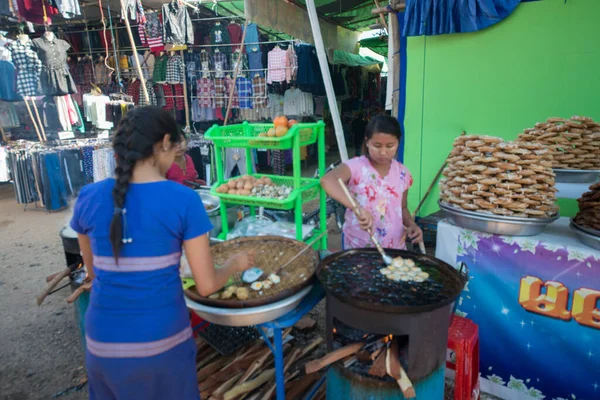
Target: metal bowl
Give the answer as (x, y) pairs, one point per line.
(247, 316)
(213, 209)
(576, 175)
(495, 224)
(586, 236)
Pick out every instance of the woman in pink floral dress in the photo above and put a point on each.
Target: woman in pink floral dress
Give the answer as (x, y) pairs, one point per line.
(380, 185)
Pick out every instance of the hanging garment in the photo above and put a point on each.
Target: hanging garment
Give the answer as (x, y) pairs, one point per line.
(55, 78)
(235, 158)
(133, 90)
(174, 70)
(206, 92)
(178, 93)
(32, 11)
(220, 95)
(235, 34)
(252, 38)
(244, 90)
(151, 34)
(151, 95)
(259, 90)
(205, 64)
(255, 64)
(4, 52)
(291, 62)
(231, 87)
(219, 35)
(28, 67)
(220, 64)
(177, 24)
(160, 69)
(276, 65)
(8, 115)
(8, 87)
(242, 67)
(68, 8)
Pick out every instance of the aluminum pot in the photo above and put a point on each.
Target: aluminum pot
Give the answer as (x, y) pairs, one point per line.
(213, 209)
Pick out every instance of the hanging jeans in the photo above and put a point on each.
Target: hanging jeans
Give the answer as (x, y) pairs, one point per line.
(55, 191)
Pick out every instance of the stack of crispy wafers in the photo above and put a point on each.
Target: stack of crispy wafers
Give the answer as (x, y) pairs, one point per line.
(589, 209)
(486, 174)
(574, 143)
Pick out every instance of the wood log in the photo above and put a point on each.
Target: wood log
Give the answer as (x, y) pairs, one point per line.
(87, 286)
(332, 357)
(379, 366)
(53, 283)
(239, 366)
(300, 386)
(256, 365)
(395, 370)
(291, 359)
(363, 356)
(313, 345)
(218, 392)
(305, 324)
(249, 386)
(213, 367)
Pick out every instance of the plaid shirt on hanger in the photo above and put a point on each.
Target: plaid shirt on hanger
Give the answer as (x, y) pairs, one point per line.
(174, 69)
(206, 92)
(243, 66)
(220, 64)
(133, 90)
(151, 95)
(244, 89)
(205, 63)
(178, 92)
(259, 89)
(230, 87)
(220, 100)
(169, 101)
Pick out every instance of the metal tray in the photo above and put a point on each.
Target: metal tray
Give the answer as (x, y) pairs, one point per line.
(498, 225)
(585, 237)
(247, 316)
(576, 175)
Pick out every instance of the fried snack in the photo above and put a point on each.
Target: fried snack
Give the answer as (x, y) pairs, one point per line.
(488, 175)
(572, 142)
(589, 209)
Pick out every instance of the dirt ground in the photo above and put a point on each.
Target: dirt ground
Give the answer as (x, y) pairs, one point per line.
(40, 350)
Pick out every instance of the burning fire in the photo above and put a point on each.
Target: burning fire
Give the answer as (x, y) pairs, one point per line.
(388, 338)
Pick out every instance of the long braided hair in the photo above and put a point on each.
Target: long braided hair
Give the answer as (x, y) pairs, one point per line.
(134, 140)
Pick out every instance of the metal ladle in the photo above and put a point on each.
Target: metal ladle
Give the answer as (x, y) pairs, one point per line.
(386, 259)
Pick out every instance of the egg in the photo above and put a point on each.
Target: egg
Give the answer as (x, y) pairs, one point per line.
(385, 271)
(242, 293)
(256, 286)
(409, 263)
(274, 278)
(248, 186)
(243, 192)
(226, 295)
(267, 284)
(240, 185)
(232, 184)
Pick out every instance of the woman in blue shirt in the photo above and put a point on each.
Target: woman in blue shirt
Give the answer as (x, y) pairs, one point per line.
(132, 230)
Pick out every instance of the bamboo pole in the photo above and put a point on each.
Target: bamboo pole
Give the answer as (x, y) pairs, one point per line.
(39, 120)
(331, 99)
(381, 16)
(33, 120)
(185, 98)
(235, 72)
(138, 66)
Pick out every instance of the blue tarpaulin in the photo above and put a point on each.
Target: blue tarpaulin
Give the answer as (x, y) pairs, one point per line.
(437, 17)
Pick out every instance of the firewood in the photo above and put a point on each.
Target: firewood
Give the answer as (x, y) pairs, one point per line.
(349, 361)
(377, 352)
(305, 324)
(236, 367)
(395, 370)
(332, 357)
(301, 385)
(250, 385)
(213, 367)
(256, 365)
(363, 356)
(313, 345)
(207, 359)
(288, 363)
(224, 387)
(379, 366)
(321, 393)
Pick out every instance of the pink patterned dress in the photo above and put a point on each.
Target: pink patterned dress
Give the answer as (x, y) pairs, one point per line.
(382, 197)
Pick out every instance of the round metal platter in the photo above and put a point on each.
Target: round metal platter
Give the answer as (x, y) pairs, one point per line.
(576, 175)
(353, 277)
(587, 236)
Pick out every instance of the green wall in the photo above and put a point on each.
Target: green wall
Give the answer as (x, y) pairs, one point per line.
(542, 61)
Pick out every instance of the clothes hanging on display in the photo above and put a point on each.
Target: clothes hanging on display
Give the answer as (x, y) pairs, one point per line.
(28, 67)
(151, 33)
(255, 63)
(252, 38)
(219, 35)
(55, 78)
(235, 160)
(297, 103)
(235, 34)
(68, 8)
(220, 64)
(34, 11)
(244, 92)
(8, 116)
(291, 63)
(104, 164)
(276, 65)
(259, 90)
(177, 24)
(242, 66)
(175, 72)
(160, 69)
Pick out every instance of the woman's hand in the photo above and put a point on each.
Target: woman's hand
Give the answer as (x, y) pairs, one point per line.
(365, 219)
(414, 233)
(241, 261)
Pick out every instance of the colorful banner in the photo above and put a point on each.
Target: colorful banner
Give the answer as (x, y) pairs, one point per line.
(537, 305)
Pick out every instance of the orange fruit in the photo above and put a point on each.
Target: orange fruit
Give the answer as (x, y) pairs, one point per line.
(271, 132)
(291, 123)
(280, 121)
(280, 131)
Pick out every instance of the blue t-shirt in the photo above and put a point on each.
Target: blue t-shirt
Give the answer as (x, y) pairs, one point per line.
(140, 298)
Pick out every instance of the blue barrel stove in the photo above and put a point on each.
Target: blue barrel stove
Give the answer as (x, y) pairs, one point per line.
(72, 257)
(363, 305)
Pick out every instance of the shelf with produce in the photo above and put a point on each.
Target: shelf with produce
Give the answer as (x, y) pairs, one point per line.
(300, 190)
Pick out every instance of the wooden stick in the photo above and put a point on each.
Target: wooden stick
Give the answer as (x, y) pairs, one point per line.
(250, 385)
(435, 179)
(218, 393)
(33, 122)
(400, 6)
(379, 365)
(292, 358)
(381, 16)
(235, 73)
(87, 286)
(317, 365)
(304, 250)
(138, 66)
(185, 99)
(395, 370)
(39, 120)
(301, 385)
(53, 283)
(313, 345)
